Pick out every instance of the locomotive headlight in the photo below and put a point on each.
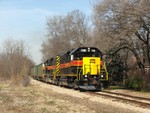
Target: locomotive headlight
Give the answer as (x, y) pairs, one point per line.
(102, 76)
(85, 76)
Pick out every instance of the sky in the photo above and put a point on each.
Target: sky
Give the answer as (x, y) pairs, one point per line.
(26, 20)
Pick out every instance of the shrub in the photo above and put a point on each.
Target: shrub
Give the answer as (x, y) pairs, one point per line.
(135, 80)
(136, 83)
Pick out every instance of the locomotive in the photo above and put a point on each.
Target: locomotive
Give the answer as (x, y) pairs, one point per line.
(79, 68)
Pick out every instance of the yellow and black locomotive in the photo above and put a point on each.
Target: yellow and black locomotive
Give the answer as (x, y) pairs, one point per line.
(80, 68)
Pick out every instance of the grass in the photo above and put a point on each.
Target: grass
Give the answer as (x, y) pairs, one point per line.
(44, 110)
(31, 99)
(116, 87)
(51, 102)
(41, 99)
(3, 86)
(6, 99)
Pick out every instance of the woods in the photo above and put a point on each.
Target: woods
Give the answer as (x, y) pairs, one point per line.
(127, 24)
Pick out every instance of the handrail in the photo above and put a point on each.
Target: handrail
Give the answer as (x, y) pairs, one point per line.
(104, 66)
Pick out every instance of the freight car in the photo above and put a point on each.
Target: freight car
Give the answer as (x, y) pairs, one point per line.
(80, 68)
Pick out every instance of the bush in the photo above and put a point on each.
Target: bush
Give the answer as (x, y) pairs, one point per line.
(135, 80)
(20, 80)
(25, 80)
(136, 83)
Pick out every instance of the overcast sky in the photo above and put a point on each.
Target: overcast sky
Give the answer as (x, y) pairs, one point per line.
(26, 19)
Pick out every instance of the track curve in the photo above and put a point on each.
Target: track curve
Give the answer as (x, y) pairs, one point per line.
(139, 101)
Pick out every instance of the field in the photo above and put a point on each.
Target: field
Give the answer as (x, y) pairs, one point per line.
(45, 98)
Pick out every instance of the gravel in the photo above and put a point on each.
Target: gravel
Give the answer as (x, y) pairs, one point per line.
(75, 99)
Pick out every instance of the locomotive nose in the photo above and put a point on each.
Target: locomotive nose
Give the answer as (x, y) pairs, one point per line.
(91, 65)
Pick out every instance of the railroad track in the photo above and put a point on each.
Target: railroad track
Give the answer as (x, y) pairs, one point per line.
(138, 101)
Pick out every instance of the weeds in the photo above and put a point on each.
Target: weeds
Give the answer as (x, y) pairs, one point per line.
(44, 110)
(51, 102)
(5, 99)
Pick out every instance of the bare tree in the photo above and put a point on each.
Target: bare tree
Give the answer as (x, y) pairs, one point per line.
(79, 28)
(127, 23)
(15, 61)
(66, 32)
(56, 41)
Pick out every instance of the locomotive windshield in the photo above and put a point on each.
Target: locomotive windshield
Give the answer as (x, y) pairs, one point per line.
(87, 52)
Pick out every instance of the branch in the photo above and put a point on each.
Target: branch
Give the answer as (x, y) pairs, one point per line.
(139, 36)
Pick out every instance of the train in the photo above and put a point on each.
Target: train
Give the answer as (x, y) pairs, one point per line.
(79, 68)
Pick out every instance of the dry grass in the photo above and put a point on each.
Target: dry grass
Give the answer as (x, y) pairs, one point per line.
(33, 99)
(44, 98)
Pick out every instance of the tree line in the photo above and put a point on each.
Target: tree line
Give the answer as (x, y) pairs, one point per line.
(119, 28)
